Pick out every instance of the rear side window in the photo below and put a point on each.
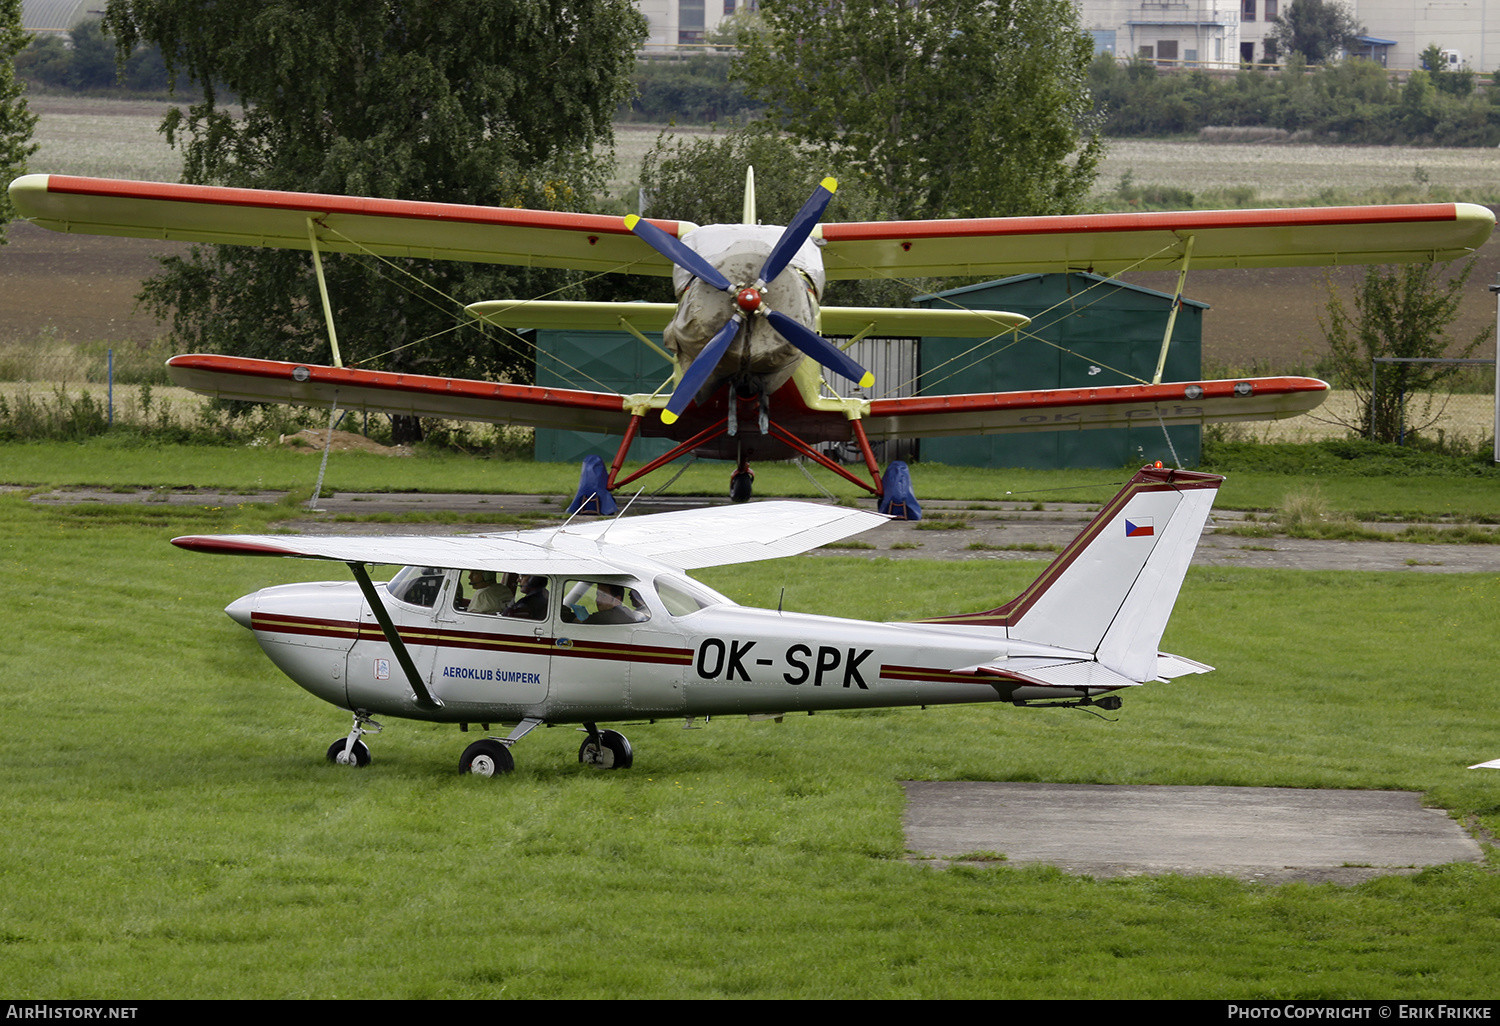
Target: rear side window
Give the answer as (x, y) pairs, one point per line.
(682, 595)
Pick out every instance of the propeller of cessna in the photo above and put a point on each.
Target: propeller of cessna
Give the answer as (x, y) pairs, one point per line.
(749, 301)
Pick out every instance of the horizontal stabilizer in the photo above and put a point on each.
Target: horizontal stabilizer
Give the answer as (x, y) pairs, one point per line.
(1073, 674)
(1169, 666)
(835, 320)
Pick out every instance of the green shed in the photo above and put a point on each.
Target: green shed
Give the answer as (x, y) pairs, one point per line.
(597, 361)
(1086, 330)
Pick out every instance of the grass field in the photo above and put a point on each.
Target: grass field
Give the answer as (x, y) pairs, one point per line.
(173, 830)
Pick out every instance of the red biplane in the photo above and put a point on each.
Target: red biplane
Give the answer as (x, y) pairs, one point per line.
(745, 338)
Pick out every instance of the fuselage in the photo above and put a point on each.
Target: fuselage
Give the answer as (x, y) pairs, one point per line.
(684, 651)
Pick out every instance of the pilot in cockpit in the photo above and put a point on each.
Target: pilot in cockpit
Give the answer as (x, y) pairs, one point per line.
(492, 591)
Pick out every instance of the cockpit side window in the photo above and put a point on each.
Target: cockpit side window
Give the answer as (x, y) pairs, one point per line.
(416, 585)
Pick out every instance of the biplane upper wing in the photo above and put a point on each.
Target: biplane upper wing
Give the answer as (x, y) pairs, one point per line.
(344, 224)
(686, 539)
(1111, 243)
(1105, 243)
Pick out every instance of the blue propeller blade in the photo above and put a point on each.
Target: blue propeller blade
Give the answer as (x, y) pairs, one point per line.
(698, 372)
(798, 231)
(819, 348)
(674, 250)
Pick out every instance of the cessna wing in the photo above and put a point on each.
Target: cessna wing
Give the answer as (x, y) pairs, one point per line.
(682, 540)
(1104, 243)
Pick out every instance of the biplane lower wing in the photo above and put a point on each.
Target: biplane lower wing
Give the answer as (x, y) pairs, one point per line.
(1204, 402)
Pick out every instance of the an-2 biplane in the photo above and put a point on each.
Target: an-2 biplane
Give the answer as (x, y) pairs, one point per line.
(746, 335)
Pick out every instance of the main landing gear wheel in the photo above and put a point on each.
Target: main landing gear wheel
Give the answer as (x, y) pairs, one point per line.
(606, 749)
(361, 757)
(487, 758)
(740, 483)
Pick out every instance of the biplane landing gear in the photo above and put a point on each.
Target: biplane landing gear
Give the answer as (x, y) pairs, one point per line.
(351, 751)
(606, 749)
(740, 483)
(487, 758)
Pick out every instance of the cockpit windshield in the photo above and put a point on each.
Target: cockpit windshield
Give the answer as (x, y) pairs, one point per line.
(416, 585)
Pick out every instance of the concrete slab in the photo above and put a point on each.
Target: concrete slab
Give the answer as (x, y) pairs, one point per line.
(1264, 834)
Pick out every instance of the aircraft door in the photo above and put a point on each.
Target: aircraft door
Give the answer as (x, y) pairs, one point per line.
(494, 645)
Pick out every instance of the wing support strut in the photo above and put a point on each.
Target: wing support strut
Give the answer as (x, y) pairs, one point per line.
(424, 698)
(1161, 361)
(333, 338)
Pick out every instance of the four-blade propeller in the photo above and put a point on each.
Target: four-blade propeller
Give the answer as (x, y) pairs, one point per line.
(750, 301)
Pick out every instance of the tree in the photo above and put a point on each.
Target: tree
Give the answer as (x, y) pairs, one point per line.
(1401, 312)
(947, 108)
(1317, 29)
(493, 102)
(16, 120)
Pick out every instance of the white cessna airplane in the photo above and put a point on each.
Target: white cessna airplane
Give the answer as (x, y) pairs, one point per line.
(603, 624)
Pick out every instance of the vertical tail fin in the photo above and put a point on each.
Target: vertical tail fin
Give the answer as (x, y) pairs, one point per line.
(1111, 591)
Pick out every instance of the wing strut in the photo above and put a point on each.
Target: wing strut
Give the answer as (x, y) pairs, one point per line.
(1161, 361)
(425, 698)
(333, 338)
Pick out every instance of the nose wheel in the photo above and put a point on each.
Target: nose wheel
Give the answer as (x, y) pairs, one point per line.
(351, 751)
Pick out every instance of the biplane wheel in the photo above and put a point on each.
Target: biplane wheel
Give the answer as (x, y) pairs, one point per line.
(611, 751)
(361, 753)
(487, 758)
(740, 484)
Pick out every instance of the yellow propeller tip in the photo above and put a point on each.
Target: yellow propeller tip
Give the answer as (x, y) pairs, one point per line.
(831, 184)
(867, 380)
(668, 417)
(630, 221)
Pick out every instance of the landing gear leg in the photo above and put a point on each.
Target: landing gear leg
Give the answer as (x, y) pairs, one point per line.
(351, 751)
(606, 749)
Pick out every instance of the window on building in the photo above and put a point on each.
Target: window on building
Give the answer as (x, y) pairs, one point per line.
(729, 6)
(1270, 10)
(1166, 51)
(1247, 10)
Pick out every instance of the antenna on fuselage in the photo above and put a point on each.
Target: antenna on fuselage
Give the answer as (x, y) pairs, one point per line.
(748, 217)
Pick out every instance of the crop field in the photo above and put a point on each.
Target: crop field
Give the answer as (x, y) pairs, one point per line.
(173, 830)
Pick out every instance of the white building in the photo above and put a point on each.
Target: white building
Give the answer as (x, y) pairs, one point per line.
(1226, 33)
(677, 23)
